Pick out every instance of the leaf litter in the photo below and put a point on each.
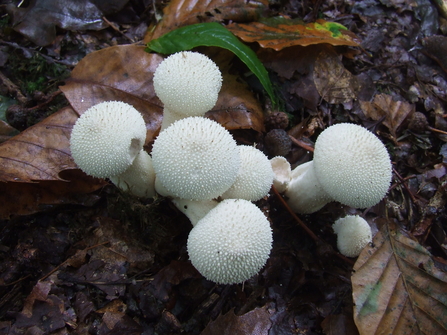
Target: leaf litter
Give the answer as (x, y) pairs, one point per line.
(121, 264)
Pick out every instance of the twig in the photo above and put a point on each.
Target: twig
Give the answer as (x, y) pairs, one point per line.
(437, 130)
(301, 144)
(303, 225)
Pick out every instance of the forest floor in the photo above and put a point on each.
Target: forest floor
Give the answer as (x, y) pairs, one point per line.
(78, 256)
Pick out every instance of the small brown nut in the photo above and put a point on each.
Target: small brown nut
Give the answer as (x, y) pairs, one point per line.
(277, 120)
(278, 142)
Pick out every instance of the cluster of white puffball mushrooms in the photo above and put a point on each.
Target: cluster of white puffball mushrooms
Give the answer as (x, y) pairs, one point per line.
(197, 163)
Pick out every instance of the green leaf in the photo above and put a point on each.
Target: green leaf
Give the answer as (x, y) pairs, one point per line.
(212, 34)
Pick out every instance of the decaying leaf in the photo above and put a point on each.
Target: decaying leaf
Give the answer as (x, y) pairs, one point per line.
(279, 33)
(40, 152)
(393, 112)
(335, 84)
(256, 322)
(38, 21)
(179, 13)
(27, 198)
(398, 288)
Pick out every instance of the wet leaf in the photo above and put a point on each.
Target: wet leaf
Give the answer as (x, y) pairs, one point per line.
(393, 112)
(279, 33)
(215, 35)
(398, 288)
(28, 198)
(256, 322)
(334, 83)
(40, 152)
(179, 13)
(39, 20)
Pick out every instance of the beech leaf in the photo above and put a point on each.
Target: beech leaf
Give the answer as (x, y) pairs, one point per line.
(215, 35)
(278, 33)
(397, 287)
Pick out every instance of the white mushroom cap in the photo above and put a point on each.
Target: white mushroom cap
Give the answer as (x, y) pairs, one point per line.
(353, 234)
(352, 165)
(231, 243)
(255, 176)
(106, 138)
(282, 173)
(196, 159)
(188, 84)
(139, 178)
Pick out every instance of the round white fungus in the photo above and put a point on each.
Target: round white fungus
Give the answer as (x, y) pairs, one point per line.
(353, 234)
(231, 243)
(188, 84)
(255, 176)
(106, 138)
(196, 159)
(350, 165)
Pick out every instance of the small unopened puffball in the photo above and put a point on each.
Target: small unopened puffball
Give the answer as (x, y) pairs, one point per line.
(353, 234)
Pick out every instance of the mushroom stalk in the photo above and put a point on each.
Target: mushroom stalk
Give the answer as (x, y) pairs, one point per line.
(304, 192)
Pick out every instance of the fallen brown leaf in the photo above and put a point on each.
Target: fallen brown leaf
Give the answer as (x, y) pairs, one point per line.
(279, 33)
(397, 287)
(393, 112)
(335, 84)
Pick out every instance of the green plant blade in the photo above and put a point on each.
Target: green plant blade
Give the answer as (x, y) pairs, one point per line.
(212, 34)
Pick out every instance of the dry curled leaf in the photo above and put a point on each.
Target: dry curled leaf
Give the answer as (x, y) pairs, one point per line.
(334, 83)
(398, 288)
(393, 112)
(279, 33)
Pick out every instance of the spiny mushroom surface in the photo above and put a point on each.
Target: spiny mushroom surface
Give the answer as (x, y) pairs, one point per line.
(351, 165)
(188, 84)
(231, 243)
(353, 234)
(106, 138)
(255, 176)
(195, 159)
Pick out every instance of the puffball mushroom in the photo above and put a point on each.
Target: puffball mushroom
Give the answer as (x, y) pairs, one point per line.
(139, 178)
(350, 165)
(353, 234)
(188, 84)
(255, 176)
(231, 243)
(106, 139)
(195, 159)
